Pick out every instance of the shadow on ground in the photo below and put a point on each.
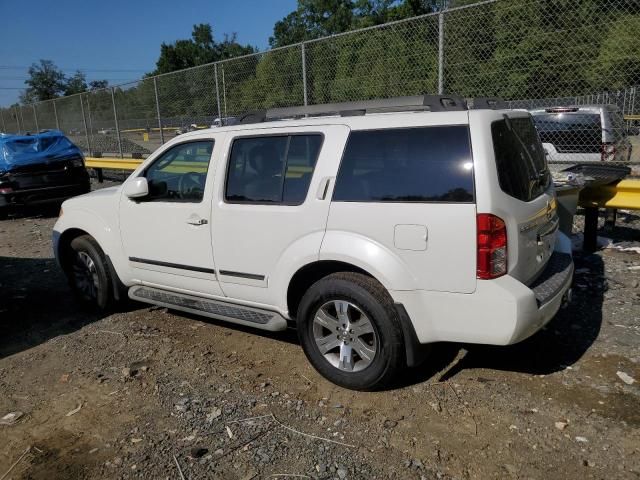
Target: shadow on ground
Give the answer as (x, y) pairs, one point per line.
(36, 304)
(562, 342)
(47, 210)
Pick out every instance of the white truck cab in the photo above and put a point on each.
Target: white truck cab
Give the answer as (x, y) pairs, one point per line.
(373, 227)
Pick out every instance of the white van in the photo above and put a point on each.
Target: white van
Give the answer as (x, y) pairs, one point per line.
(375, 228)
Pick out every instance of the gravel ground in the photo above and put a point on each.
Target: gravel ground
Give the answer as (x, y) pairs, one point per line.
(121, 395)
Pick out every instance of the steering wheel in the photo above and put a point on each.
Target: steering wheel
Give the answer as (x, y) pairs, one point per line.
(189, 184)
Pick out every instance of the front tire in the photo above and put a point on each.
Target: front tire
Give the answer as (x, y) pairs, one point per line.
(88, 273)
(350, 331)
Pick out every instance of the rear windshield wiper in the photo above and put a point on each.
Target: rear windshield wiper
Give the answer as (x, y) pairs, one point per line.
(538, 176)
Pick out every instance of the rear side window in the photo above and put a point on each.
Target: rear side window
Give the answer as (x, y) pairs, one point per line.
(272, 169)
(520, 161)
(424, 164)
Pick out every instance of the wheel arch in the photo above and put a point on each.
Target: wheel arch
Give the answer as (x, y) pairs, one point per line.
(309, 274)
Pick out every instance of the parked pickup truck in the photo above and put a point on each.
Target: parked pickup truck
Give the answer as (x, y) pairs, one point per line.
(375, 228)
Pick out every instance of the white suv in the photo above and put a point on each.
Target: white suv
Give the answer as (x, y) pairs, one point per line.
(375, 228)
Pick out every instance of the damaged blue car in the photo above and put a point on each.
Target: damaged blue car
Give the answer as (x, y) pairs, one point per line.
(39, 168)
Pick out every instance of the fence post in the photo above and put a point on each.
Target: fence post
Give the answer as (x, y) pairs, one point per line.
(35, 116)
(55, 114)
(215, 72)
(89, 115)
(84, 120)
(115, 116)
(4, 127)
(440, 52)
(17, 120)
(304, 73)
(22, 119)
(155, 90)
(224, 93)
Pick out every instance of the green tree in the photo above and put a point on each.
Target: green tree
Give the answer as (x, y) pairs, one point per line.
(319, 18)
(98, 84)
(46, 81)
(618, 62)
(313, 19)
(200, 49)
(77, 83)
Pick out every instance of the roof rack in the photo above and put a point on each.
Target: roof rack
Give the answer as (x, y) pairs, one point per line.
(430, 103)
(491, 103)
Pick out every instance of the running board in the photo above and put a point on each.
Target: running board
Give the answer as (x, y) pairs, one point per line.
(248, 316)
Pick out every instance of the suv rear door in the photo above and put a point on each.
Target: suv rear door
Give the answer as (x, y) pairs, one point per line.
(409, 189)
(516, 187)
(271, 204)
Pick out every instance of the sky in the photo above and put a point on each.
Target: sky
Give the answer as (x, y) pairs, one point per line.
(117, 40)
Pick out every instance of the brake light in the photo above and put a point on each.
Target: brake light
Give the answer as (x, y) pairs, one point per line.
(492, 246)
(607, 152)
(561, 109)
(6, 190)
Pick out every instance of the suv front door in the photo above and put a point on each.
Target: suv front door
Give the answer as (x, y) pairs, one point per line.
(167, 234)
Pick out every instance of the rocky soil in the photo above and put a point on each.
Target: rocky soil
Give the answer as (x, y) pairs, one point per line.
(150, 393)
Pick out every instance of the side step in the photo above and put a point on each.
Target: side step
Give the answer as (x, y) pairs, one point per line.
(249, 316)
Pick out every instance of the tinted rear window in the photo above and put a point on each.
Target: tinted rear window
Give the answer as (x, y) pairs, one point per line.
(522, 167)
(425, 164)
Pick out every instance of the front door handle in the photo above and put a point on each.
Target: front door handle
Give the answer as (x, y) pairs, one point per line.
(193, 220)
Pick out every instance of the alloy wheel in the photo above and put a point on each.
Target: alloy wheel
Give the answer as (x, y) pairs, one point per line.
(345, 336)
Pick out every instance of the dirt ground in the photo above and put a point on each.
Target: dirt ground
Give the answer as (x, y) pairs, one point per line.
(150, 393)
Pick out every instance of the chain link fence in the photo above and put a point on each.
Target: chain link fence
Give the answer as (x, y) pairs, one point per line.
(576, 62)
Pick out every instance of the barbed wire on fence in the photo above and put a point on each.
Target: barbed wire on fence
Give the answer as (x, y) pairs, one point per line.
(532, 53)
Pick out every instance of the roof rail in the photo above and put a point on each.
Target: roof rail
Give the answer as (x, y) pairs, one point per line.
(492, 103)
(430, 103)
(433, 103)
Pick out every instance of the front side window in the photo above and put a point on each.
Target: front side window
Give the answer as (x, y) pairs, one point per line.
(272, 169)
(179, 174)
(424, 164)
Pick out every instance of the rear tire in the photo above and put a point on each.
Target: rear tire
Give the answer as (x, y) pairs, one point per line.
(350, 331)
(88, 273)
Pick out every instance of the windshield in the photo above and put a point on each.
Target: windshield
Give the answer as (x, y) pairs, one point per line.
(522, 167)
(577, 132)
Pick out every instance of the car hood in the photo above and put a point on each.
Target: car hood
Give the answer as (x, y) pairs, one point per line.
(101, 195)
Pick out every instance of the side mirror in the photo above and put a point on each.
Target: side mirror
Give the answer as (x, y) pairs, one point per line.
(137, 188)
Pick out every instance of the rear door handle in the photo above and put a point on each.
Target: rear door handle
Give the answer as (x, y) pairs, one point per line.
(323, 188)
(193, 220)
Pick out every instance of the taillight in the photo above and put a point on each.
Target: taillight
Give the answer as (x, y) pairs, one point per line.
(5, 190)
(492, 246)
(607, 152)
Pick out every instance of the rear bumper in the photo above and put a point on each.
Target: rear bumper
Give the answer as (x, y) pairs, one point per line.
(45, 194)
(500, 312)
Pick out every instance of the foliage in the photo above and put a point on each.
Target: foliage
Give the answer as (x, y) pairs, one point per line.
(200, 49)
(320, 18)
(513, 49)
(46, 81)
(77, 83)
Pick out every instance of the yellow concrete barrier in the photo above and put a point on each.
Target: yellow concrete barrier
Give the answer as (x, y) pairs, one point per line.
(112, 163)
(133, 163)
(624, 194)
